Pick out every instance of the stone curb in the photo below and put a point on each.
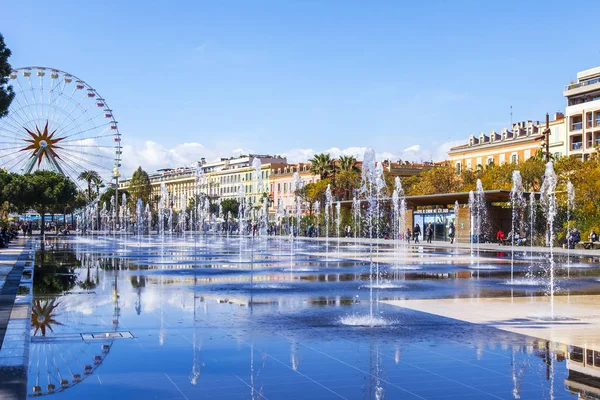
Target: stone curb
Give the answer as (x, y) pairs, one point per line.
(14, 352)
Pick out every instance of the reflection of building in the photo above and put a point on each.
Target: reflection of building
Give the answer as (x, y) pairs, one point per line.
(515, 145)
(584, 373)
(583, 112)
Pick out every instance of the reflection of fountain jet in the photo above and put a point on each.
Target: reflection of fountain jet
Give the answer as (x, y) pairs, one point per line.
(374, 390)
(255, 393)
(583, 366)
(138, 282)
(294, 357)
(197, 363)
(517, 374)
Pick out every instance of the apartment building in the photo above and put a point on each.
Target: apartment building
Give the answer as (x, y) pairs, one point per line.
(511, 145)
(219, 179)
(282, 183)
(583, 113)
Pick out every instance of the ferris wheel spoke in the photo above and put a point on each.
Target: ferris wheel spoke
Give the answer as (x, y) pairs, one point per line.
(22, 91)
(54, 83)
(80, 162)
(19, 161)
(20, 116)
(87, 153)
(32, 91)
(16, 128)
(91, 137)
(64, 131)
(19, 148)
(76, 104)
(10, 154)
(86, 130)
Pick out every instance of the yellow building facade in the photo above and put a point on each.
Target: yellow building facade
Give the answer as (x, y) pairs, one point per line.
(515, 145)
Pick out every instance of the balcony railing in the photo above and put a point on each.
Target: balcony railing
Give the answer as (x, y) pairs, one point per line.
(597, 141)
(581, 84)
(577, 146)
(576, 126)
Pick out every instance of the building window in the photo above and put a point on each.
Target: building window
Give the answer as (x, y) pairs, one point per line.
(527, 155)
(514, 158)
(502, 159)
(458, 168)
(490, 161)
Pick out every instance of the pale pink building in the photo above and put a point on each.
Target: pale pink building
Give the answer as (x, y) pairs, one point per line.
(282, 183)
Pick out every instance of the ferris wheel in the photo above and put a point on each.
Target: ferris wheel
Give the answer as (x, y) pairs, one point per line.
(58, 122)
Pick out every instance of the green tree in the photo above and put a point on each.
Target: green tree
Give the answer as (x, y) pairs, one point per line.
(347, 163)
(110, 193)
(90, 177)
(312, 192)
(322, 165)
(45, 191)
(139, 188)
(6, 91)
(230, 206)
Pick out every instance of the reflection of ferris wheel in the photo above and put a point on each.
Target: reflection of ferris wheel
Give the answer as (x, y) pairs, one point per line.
(58, 122)
(66, 356)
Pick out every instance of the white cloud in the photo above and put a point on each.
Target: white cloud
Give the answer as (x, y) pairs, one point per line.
(152, 156)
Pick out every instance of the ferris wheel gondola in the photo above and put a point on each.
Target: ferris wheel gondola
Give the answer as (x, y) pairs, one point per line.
(58, 122)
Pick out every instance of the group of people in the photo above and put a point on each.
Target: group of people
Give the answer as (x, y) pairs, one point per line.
(512, 238)
(429, 233)
(7, 234)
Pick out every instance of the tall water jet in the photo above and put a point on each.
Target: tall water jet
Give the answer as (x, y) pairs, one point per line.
(318, 218)
(124, 209)
(570, 207)
(113, 214)
(328, 210)
(149, 218)
(478, 213)
(532, 212)
(517, 201)
(456, 208)
(182, 215)
(140, 220)
(257, 165)
(548, 201)
(472, 216)
(356, 217)
(297, 187)
(162, 203)
(338, 223)
(369, 190)
(398, 213)
(379, 186)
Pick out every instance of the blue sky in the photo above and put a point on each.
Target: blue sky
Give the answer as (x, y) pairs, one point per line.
(197, 78)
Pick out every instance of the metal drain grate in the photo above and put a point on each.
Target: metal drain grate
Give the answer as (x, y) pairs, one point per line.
(107, 335)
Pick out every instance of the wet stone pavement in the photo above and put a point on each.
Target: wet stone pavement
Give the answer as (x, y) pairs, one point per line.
(229, 318)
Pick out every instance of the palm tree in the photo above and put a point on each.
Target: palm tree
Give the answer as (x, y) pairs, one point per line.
(89, 176)
(322, 165)
(99, 183)
(347, 163)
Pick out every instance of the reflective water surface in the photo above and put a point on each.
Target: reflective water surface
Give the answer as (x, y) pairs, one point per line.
(213, 317)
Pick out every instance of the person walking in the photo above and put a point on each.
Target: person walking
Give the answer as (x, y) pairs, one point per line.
(451, 232)
(429, 232)
(417, 233)
(407, 235)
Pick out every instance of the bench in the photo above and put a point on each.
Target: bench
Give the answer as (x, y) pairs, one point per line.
(588, 245)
